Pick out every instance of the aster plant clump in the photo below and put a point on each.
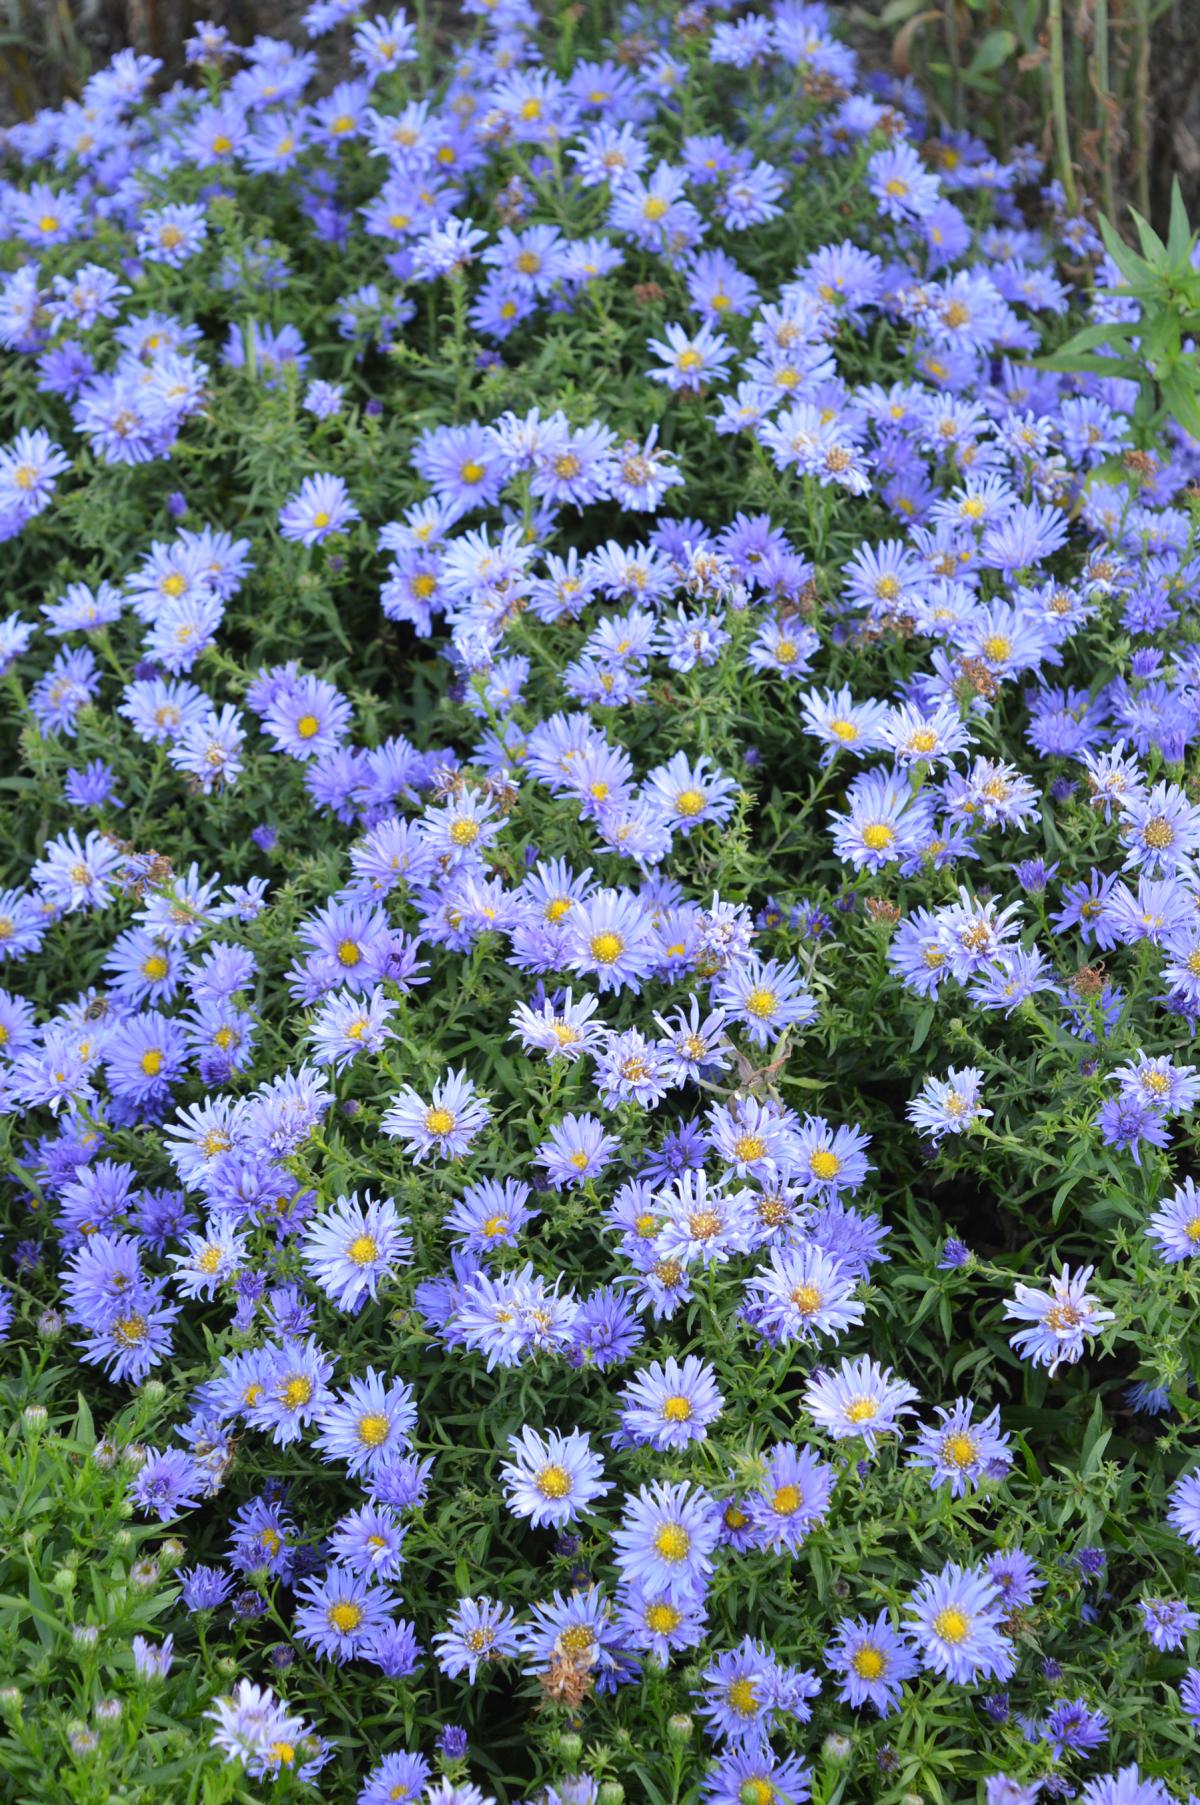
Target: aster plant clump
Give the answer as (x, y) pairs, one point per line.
(600, 938)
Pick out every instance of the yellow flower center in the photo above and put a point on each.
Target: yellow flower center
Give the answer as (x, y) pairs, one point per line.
(868, 1663)
(741, 1698)
(438, 1121)
(372, 1430)
(607, 948)
(363, 1250)
(786, 1500)
(676, 1410)
(345, 1617)
(749, 1147)
(152, 1062)
(297, 1392)
(672, 1542)
(952, 1625)
(554, 1482)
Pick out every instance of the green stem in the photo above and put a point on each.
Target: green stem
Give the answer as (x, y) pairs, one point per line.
(1104, 102)
(1058, 102)
(1141, 106)
(950, 14)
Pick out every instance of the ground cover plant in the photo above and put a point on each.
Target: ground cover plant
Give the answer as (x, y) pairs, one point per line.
(600, 937)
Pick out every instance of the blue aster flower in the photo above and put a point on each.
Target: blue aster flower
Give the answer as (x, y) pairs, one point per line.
(399, 1776)
(792, 1497)
(1167, 1621)
(1125, 1788)
(1072, 1726)
(756, 1774)
(368, 1425)
(669, 1404)
(958, 1613)
(665, 1540)
(480, 1632)
(445, 1126)
(167, 1482)
(1060, 1322)
(351, 1247)
(337, 1614)
(804, 1293)
(959, 1451)
(551, 1478)
(873, 1662)
(860, 1398)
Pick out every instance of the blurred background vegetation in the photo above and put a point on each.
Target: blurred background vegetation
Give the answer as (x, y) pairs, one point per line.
(1110, 87)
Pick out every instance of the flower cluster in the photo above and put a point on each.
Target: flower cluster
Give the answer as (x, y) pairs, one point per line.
(601, 927)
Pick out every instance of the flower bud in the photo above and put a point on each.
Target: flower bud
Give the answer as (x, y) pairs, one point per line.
(679, 1727)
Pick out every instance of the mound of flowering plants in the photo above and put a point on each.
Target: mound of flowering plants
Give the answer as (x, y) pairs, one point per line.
(600, 929)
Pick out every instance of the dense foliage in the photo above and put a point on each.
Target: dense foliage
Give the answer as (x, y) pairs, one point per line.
(599, 912)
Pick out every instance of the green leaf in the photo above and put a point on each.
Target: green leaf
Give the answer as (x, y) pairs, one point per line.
(1131, 266)
(1161, 337)
(1179, 393)
(995, 48)
(1152, 244)
(1092, 336)
(923, 1024)
(1179, 236)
